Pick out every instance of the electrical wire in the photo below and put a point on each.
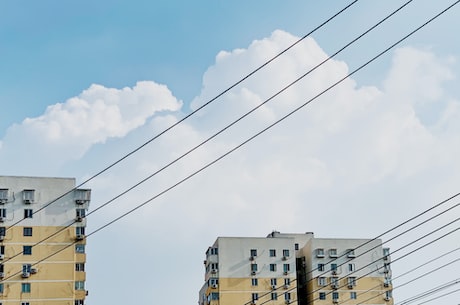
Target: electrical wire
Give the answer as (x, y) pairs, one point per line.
(234, 122)
(196, 110)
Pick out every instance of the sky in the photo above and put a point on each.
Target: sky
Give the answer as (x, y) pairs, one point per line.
(82, 84)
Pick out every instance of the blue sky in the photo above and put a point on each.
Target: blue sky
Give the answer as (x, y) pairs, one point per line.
(83, 83)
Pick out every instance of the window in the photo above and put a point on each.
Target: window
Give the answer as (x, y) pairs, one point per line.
(80, 230)
(253, 267)
(25, 303)
(287, 282)
(286, 268)
(274, 296)
(322, 281)
(386, 251)
(273, 281)
(82, 213)
(3, 195)
(351, 267)
(253, 252)
(333, 252)
(80, 248)
(351, 281)
(272, 267)
(334, 282)
(320, 252)
(322, 295)
(272, 252)
(214, 296)
(287, 296)
(255, 296)
(214, 251)
(286, 252)
(254, 281)
(335, 295)
(27, 231)
(27, 250)
(353, 295)
(1, 287)
(2, 249)
(296, 246)
(320, 267)
(351, 253)
(2, 231)
(28, 196)
(388, 294)
(82, 196)
(25, 287)
(212, 281)
(3, 213)
(2, 268)
(28, 213)
(333, 267)
(79, 285)
(80, 267)
(79, 302)
(26, 268)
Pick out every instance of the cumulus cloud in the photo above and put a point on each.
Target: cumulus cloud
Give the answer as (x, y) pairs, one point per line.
(358, 157)
(67, 130)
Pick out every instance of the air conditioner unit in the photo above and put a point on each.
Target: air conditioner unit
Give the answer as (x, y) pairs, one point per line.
(25, 274)
(273, 286)
(334, 286)
(214, 286)
(287, 301)
(386, 284)
(28, 201)
(33, 270)
(80, 201)
(2, 275)
(286, 286)
(80, 237)
(2, 219)
(3, 201)
(251, 258)
(350, 286)
(351, 255)
(285, 258)
(286, 272)
(386, 298)
(79, 219)
(334, 271)
(2, 256)
(213, 270)
(253, 273)
(2, 237)
(335, 301)
(253, 302)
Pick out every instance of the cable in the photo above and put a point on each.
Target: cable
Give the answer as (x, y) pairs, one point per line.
(195, 111)
(440, 296)
(234, 122)
(276, 122)
(410, 271)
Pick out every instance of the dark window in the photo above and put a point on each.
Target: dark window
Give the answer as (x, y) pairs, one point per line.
(27, 231)
(27, 250)
(28, 213)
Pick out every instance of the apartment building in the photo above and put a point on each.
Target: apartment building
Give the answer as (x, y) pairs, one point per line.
(42, 241)
(296, 269)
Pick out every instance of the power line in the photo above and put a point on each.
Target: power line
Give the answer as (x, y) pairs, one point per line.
(196, 110)
(237, 120)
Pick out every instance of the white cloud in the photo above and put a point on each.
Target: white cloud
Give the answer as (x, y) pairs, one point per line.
(67, 130)
(352, 163)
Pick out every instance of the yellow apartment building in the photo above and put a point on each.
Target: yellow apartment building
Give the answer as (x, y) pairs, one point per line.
(42, 241)
(296, 269)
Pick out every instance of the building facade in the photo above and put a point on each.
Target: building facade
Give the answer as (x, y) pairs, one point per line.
(42, 241)
(296, 269)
